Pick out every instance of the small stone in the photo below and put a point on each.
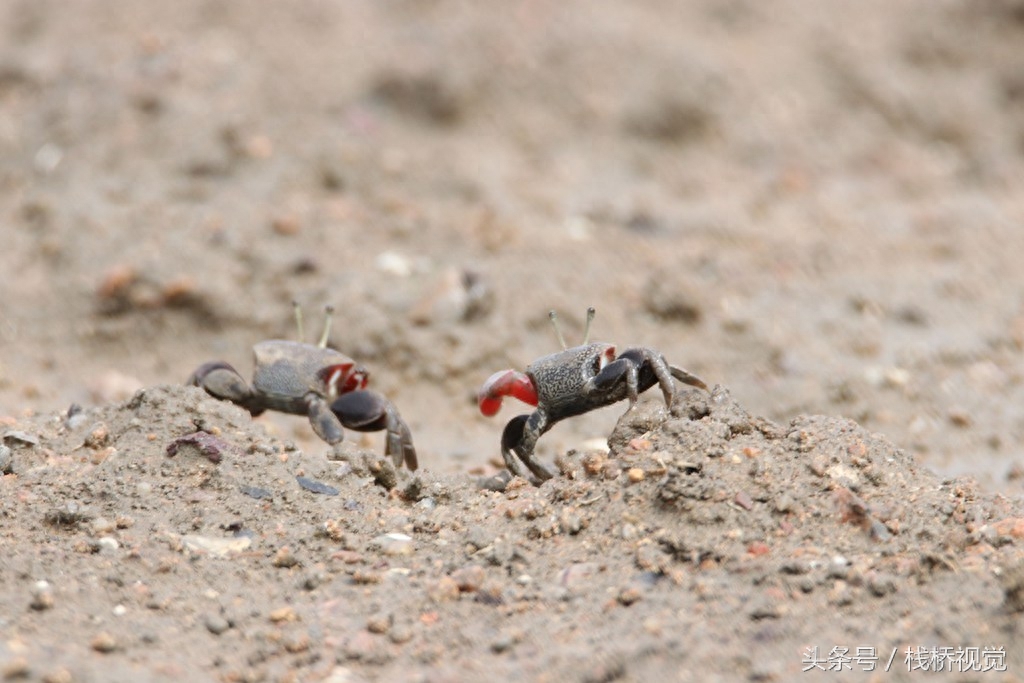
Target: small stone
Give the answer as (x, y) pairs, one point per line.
(216, 547)
(108, 544)
(316, 486)
(202, 444)
(444, 589)
(284, 558)
(15, 668)
(17, 438)
(216, 624)
(469, 578)
(101, 526)
(960, 418)
(502, 644)
(6, 459)
(76, 417)
(629, 595)
(286, 226)
(42, 596)
(743, 500)
(635, 475)
(594, 463)
(98, 436)
(393, 544)
(103, 642)
(379, 624)
(283, 614)
(400, 633)
(297, 643)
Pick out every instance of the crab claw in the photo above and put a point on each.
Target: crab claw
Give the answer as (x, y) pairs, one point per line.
(505, 383)
(368, 411)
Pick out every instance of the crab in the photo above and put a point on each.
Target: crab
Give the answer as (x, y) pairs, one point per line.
(316, 381)
(571, 382)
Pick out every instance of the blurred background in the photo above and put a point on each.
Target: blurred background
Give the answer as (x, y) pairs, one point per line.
(817, 205)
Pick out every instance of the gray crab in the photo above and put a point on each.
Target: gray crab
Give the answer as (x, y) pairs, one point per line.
(571, 382)
(317, 381)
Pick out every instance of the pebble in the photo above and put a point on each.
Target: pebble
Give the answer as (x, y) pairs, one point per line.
(256, 492)
(104, 642)
(284, 558)
(393, 544)
(594, 463)
(42, 596)
(379, 624)
(635, 475)
(444, 589)
(98, 436)
(201, 444)
(6, 459)
(283, 614)
(469, 578)
(16, 668)
(76, 417)
(629, 595)
(400, 633)
(216, 547)
(20, 438)
(101, 526)
(216, 624)
(108, 543)
(316, 486)
(297, 643)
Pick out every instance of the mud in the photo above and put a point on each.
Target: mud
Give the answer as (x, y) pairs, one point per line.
(818, 212)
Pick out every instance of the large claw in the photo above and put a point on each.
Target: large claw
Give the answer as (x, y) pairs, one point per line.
(505, 383)
(517, 443)
(222, 381)
(368, 411)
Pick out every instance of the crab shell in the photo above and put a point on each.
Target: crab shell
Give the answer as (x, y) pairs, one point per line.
(286, 372)
(554, 381)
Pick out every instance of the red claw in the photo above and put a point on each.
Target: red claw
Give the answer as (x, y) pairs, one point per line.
(505, 383)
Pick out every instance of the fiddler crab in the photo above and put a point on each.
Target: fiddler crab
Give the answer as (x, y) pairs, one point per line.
(571, 382)
(316, 381)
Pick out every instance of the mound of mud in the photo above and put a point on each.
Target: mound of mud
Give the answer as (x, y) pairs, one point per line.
(170, 538)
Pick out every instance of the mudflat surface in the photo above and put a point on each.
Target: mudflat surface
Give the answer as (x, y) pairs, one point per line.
(820, 215)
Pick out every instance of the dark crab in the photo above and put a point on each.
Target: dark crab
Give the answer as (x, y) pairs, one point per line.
(571, 382)
(316, 381)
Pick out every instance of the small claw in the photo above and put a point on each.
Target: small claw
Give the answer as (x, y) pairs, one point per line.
(505, 383)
